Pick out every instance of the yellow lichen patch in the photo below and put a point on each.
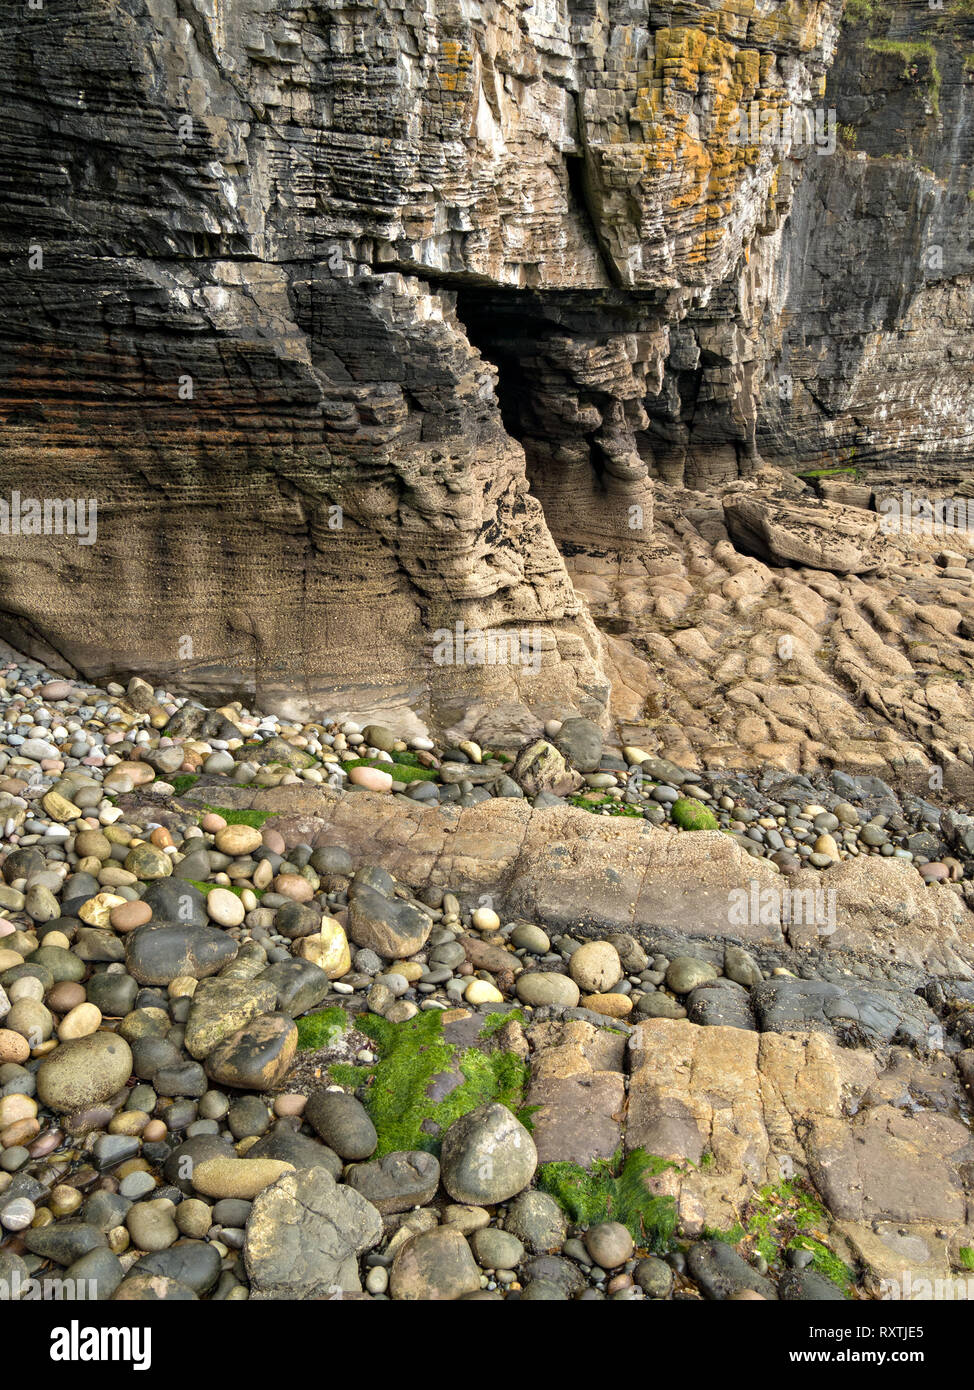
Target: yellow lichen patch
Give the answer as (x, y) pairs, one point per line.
(747, 64)
(455, 62)
(796, 23)
(683, 56)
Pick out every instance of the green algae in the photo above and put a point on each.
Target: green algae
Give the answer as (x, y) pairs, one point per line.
(322, 1029)
(912, 53)
(255, 819)
(410, 1055)
(495, 1022)
(689, 814)
(615, 1189)
(789, 1216)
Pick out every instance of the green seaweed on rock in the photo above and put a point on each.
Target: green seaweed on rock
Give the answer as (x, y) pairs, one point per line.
(255, 819)
(410, 1056)
(615, 1189)
(689, 814)
(322, 1029)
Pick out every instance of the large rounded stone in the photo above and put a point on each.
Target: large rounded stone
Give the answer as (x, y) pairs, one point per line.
(388, 926)
(686, 972)
(540, 767)
(609, 1244)
(328, 949)
(580, 741)
(721, 1272)
(295, 920)
(257, 1056)
(487, 1156)
(224, 907)
(173, 900)
(148, 863)
(542, 987)
(238, 840)
(92, 843)
(157, 955)
(300, 985)
(343, 1123)
(595, 967)
(497, 1249)
(305, 1235)
(378, 736)
(220, 1007)
(397, 1182)
(537, 1220)
(84, 1072)
(332, 859)
(237, 1177)
(435, 1266)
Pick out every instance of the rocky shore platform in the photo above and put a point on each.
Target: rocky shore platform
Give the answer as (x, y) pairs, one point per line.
(311, 1011)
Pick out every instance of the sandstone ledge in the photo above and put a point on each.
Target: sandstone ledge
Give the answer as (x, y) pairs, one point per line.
(570, 869)
(896, 1181)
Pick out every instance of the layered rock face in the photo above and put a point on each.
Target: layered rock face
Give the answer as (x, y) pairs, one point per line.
(237, 236)
(845, 339)
(349, 320)
(873, 296)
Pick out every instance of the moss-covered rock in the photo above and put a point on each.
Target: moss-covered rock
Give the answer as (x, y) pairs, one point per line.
(616, 1190)
(422, 1083)
(255, 819)
(321, 1029)
(689, 814)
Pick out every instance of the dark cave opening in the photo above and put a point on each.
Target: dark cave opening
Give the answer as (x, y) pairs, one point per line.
(496, 331)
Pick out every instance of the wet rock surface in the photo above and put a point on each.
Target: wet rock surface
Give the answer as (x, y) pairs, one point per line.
(539, 1012)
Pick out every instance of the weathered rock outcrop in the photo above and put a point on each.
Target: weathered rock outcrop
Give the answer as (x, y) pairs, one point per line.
(873, 296)
(568, 868)
(845, 336)
(230, 316)
(348, 318)
(888, 1147)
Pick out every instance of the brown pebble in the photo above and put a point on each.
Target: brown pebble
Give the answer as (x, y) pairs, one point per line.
(211, 822)
(131, 1122)
(295, 887)
(82, 1020)
(154, 1132)
(161, 838)
(118, 1240)
(64, 996)
(132, 1165)
(50, 1140)
(128, 916)
(290, 1105)
(64, 1200)
(20, 1132)
(16, 1107)
(617, 1282)
(274, 841)
(13, 1047)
